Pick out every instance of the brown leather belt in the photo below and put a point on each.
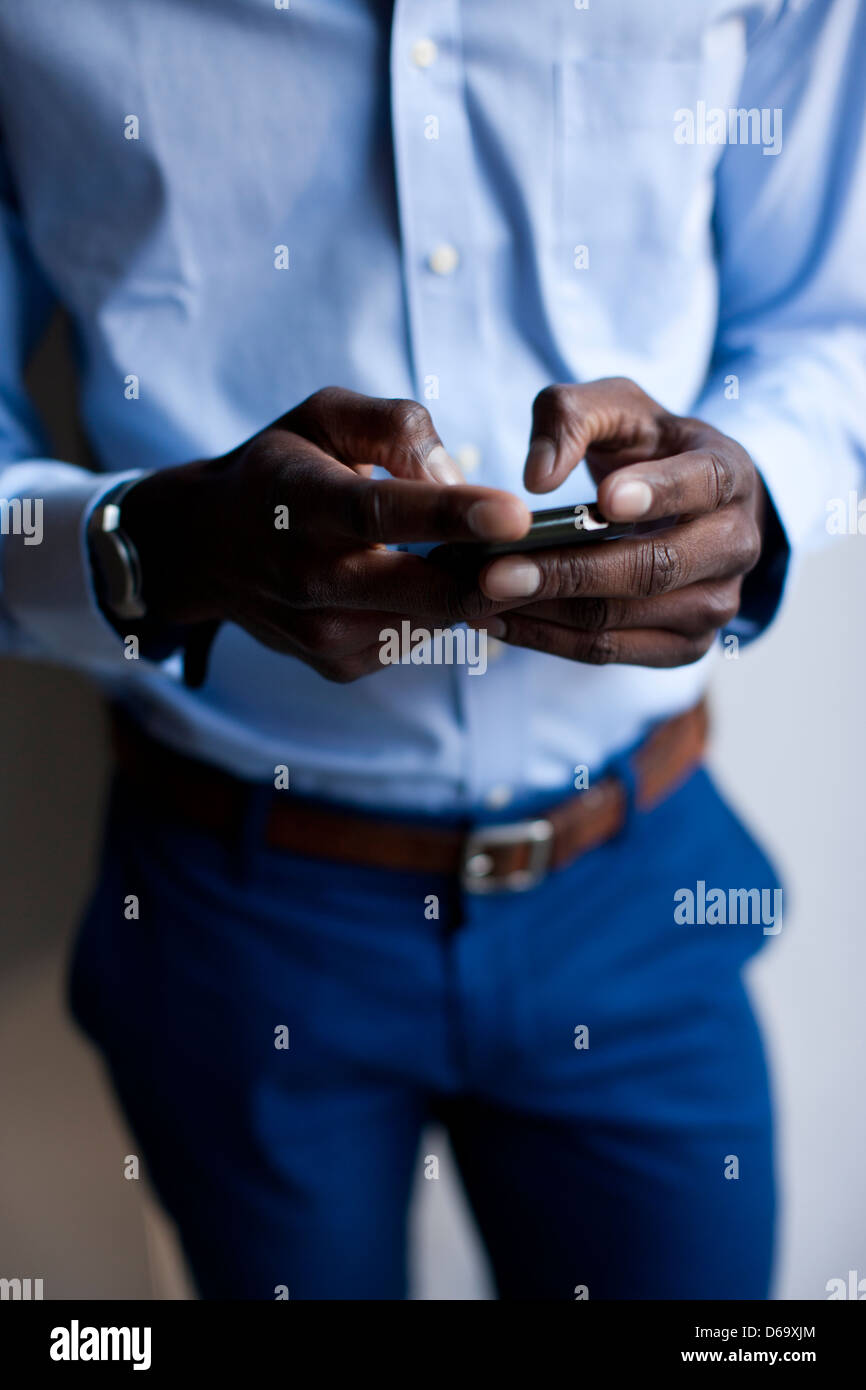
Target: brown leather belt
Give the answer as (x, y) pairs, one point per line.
(487, 858)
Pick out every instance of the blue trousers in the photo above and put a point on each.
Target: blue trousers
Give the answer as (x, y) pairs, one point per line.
(596, 1063)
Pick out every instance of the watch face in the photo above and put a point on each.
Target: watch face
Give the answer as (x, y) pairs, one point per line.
(116, 574)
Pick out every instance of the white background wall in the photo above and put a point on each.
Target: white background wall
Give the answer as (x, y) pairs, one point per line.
(791, 752)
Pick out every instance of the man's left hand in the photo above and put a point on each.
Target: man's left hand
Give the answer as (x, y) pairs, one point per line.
(659, 600)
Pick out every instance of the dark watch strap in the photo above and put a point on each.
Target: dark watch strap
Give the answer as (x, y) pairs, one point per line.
(157, 641)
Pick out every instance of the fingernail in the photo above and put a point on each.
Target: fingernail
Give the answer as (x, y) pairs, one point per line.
(629, 499)
(441, 467)
(512, 577)
(541, 459)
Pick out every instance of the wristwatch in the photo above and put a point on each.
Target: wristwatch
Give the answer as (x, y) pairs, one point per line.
(118, 581)
(114, 558)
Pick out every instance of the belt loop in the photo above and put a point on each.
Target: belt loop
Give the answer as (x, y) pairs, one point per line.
(252, 830)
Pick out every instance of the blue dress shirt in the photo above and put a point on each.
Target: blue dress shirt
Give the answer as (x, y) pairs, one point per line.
(240, 203)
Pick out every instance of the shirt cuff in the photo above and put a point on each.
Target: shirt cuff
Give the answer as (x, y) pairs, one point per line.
(47, 586)
(784, 456)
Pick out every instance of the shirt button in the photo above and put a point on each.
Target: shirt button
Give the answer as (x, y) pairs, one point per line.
(424, 53)
(444, 259)
(498, 797)
(468, 458)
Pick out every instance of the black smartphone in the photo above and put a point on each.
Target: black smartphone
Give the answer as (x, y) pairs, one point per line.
(582, 524)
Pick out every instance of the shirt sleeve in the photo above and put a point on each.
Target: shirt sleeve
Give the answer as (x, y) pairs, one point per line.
(48, 604)
(788, 377)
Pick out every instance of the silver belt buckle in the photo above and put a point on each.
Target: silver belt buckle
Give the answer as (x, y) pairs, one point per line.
(477, 863)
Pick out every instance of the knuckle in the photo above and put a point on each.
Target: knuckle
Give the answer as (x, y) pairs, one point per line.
(541, 636)
(551, 401)
(659, 568)
(327, 632)
(626, 389)
(307, 416)
(623, 383)
(721, 478)
(595, 614)
(752, 544)
(465, 605)
(267, 463)
(719, 607)
(321, 399)
(741, 544)
(345, 576)
(407, 417)
(743, 464)
(667, 567)
(601, 649)
(567, 575)
(350, 585)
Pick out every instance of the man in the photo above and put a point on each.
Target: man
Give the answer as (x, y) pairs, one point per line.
(341, 897)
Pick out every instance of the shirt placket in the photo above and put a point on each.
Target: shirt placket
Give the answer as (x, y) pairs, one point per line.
(444, 279)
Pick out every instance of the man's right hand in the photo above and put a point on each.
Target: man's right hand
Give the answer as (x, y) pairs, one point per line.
(212, 549)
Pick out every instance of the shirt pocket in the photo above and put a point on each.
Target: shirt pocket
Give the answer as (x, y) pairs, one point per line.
(626, 191)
